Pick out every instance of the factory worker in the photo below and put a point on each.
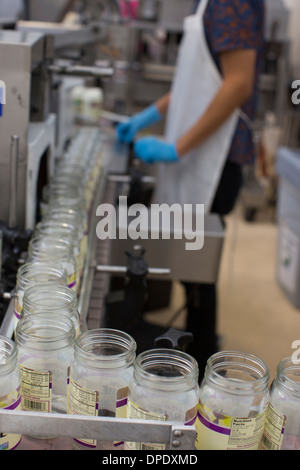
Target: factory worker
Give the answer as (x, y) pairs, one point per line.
(208, 137)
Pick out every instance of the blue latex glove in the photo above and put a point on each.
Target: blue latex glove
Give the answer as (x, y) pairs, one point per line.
(151, 149)
(127, 131)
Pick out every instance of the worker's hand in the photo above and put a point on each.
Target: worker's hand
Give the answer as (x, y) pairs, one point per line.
(151, 149)
(127, 131)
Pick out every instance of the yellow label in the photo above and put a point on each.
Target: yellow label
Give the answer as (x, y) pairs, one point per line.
(36, 390)
(221, 432)
(71, 281)
(82, 401)
(274, 430)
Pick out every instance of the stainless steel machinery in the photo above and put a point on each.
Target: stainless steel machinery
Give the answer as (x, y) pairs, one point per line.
(27, 131)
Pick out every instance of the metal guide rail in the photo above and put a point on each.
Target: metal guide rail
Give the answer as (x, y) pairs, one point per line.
(174, 435)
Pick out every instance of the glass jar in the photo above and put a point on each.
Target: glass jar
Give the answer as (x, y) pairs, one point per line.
(61, 186)
(10, 398)
(55, 299)
(233, 402)
(54, 250)
(282, 427)
(45, 351)
(32, 273)
(72, 204)
(64, 231)
(73, 217)
(164, 387)
(99, 377)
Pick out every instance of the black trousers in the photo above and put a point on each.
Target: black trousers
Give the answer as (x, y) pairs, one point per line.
(201, 298)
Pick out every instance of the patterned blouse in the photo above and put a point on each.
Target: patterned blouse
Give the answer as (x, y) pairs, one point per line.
(232, 25)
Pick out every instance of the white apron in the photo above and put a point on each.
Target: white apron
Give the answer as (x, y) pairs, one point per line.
(194, 179)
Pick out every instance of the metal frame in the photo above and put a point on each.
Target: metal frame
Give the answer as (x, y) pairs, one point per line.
(173, 434)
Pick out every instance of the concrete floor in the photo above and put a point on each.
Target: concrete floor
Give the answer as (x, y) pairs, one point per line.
(254, 314)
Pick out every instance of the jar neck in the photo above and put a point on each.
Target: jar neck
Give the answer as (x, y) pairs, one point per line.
(46, 331)
(237, 373)
(30, 274)
(68, 202)
(8, 355)
(166, 370)
(288, 377)
(44, 247)
(50, 227)
(63, 216)
(105, 348)
(49, 297)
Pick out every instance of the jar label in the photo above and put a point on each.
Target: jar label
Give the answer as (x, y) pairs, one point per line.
(82, 401)
(274, 430)
(10, 441)
(121, 408)
(36, 390)
(220, 432)
(136, 412)
(71, 281)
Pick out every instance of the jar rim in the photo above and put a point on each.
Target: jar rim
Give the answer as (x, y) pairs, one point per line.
(63, 293)
(38, 243)
(32, 271)
(180, 369)
(27, 331)
(8, 354)
(286, 370)
(102, 340)
(254, 369)
(55, 226)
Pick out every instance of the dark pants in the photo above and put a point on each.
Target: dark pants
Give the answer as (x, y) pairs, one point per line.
(202, 298)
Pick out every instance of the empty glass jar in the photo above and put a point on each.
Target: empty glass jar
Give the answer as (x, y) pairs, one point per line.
(45, 350)
(233, 402)
(54, 250)
(282, 427)
(51, 298)
(62, 231)
(70, 217)
(32, 273)
(99, 377)
(10, 398)
(164, 387)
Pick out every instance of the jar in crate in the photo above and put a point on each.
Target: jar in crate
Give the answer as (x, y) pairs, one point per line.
(45, 350)
(233, 402)
(164, 387)
(10, 398)
(282, 427)
(32, 273)
(99, 377)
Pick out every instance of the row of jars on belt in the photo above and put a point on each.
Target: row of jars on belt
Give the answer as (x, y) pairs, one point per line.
(57, 249)
(53, 268)
(50, 368)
